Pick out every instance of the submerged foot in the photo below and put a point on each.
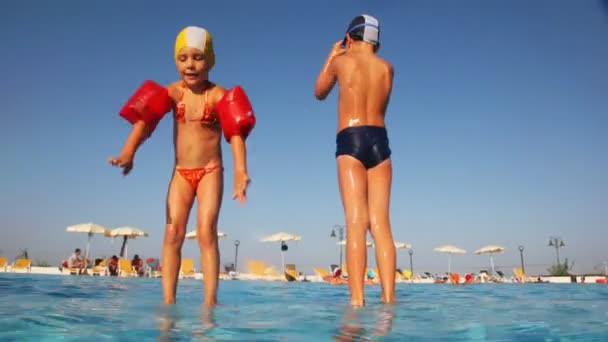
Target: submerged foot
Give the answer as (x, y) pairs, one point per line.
(357, 303)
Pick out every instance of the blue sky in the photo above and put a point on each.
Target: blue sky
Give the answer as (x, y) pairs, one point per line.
(497, 123)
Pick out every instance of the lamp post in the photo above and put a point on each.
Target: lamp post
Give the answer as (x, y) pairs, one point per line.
(340, 237)
(236, 253)
(558, 243)
(521, 255)
(284, 249)
(411, 252)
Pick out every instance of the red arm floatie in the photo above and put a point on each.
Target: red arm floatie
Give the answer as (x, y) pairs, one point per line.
(149, 103)
(235, 113)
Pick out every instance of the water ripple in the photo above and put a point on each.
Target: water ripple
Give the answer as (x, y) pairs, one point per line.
(110, 309)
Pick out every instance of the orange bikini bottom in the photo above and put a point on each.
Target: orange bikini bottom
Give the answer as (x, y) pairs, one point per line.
(194, 176)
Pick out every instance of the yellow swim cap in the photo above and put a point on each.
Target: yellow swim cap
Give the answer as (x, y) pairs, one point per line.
(196, 37)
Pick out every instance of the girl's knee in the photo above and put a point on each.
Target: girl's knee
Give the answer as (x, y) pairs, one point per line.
(174, 235)
(207, 236)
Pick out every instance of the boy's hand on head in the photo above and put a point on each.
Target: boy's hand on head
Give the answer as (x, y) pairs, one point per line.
(123, 161)
(241, 182)
(337, 49)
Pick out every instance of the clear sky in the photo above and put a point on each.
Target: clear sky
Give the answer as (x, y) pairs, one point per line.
(498, 124)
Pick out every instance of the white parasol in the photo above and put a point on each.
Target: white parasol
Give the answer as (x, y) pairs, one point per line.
(368, 243)
(402, 245)
(192, 235)
(490, 249)
(449, 249)
(89, 228)
(282, 237)
(127, 233)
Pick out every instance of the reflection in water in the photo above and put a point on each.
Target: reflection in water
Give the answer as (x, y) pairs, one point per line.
(353, 326)
(171, 329)
(166, 317)
(207, 316)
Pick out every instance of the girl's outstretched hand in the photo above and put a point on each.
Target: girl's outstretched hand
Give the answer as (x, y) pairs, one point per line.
(241, 182)
(123, 161)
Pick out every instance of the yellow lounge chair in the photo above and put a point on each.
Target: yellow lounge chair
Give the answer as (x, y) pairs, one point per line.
(407, 274)
(321, 272)
(257, 267)
(22, 265)
(272, 272)
(70, 270)
(99, 269)
(260, 269)
(125, 269)
(3, 264)
(520, 276)
(187, 269)
(291, 274)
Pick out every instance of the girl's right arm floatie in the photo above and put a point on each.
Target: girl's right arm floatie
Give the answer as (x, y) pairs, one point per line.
(149, 103)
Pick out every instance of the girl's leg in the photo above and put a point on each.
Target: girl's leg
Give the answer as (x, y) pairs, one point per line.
(179, 202)
(209, 196)
(379, 181)
(352, 178)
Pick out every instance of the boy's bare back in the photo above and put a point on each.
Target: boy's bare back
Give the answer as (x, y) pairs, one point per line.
(365, 84)
(362, 150)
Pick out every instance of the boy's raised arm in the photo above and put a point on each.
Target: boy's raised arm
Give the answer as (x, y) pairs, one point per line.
(327, 77)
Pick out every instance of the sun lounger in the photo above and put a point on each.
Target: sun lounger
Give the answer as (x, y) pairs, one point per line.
(291, 274)
(22, 265)
(3, 264)
(125, 269)
(187, 269)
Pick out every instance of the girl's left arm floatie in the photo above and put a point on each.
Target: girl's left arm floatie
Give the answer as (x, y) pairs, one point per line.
(235, 113)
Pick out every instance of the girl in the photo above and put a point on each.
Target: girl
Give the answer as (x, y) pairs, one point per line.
(201, 110)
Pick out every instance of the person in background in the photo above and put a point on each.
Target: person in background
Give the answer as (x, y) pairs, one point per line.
(113, 266)
(138, 265)
(77, 261)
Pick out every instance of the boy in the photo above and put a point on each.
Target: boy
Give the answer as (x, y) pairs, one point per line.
(363, 153)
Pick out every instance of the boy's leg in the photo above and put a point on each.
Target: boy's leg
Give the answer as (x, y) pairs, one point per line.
(209, 195)
(352, 178)
(180, 197)
(379, 181)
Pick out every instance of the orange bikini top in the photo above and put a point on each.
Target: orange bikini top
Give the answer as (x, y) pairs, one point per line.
(208, 118)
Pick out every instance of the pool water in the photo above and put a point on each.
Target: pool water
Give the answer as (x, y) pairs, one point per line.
(82, 308)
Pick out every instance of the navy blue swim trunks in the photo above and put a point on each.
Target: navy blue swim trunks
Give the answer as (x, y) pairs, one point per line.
(368, 144)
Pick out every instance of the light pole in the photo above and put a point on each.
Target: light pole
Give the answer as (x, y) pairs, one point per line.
(558, 243)
(236, 253)
(340, 236)
(411, 252)
(284, 249)
(521, 255)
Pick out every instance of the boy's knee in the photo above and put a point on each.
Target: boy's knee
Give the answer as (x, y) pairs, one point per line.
(359, 222)
(378, 224)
